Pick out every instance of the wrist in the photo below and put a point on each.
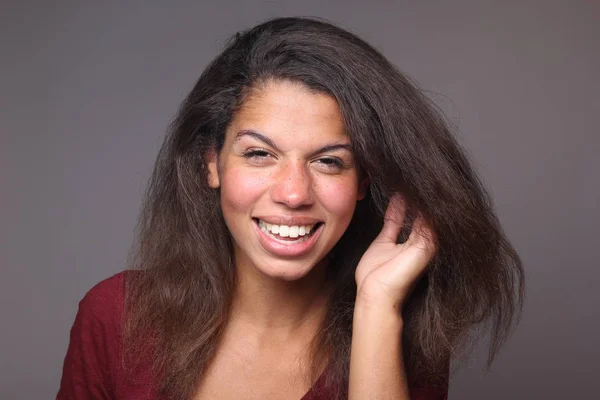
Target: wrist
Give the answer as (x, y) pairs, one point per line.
(377, 300)
(381, 313)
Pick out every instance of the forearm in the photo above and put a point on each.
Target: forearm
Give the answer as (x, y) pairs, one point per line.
(376, 361)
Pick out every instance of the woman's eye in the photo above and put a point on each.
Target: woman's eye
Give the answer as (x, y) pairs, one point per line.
(331, 163)
(256, 155)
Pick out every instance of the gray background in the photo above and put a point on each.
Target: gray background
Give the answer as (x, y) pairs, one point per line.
(87, 89)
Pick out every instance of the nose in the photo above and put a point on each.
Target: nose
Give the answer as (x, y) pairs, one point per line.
(292, 186)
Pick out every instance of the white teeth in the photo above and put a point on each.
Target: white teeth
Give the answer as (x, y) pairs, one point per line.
(292, 231)
(284, 231)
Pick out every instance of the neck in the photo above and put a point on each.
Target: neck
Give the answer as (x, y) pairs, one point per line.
(288, 308)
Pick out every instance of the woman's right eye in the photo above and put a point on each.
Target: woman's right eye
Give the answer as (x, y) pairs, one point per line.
(256, 155)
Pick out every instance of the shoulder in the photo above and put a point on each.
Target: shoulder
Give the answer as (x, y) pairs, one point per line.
(101, 313)
(109, 290)
(101, 310)
(106, 300)
(93, 357)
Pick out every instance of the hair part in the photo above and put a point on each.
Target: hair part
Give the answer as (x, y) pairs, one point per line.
(401, 142)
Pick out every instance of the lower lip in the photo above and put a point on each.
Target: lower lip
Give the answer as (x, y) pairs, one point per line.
(286, 249)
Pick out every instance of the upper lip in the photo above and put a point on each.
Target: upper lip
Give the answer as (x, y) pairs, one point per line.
(288, 220)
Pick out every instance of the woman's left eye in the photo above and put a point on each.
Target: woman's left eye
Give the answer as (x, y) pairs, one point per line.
(331, 163)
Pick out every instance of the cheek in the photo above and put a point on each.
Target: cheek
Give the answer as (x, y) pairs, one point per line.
(240, 191)
(338, 198)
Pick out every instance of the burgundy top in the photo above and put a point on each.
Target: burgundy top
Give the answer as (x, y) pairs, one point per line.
(93, 364)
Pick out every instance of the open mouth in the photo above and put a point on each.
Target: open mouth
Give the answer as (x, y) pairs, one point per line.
(288, 233)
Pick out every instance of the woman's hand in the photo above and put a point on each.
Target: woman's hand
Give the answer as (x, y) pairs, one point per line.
(385, 277)
(388, 271)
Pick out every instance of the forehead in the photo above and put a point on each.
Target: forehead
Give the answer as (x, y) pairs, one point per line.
(287, 110)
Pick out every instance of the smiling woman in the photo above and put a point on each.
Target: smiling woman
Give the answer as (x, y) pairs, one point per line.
(298, 171)
(311, 230)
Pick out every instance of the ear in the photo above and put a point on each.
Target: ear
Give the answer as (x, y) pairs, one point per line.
(363, 186)
(212, 166)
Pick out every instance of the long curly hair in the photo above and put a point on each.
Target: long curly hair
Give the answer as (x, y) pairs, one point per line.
(400, 141)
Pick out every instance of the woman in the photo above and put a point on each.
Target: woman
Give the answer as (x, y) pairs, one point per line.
(311, 230)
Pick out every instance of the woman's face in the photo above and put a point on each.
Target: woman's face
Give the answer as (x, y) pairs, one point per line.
(288, 179)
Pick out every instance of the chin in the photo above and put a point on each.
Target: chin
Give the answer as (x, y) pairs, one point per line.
(289, 271)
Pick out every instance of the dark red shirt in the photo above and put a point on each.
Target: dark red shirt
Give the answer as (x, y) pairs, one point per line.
(93, 367)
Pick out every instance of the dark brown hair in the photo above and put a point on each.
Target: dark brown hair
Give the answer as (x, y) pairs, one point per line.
(404, 145)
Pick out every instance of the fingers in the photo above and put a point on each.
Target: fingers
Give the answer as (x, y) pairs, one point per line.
(393, 219)
(422, 236)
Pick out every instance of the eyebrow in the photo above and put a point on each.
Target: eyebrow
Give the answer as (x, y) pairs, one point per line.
(270, 143)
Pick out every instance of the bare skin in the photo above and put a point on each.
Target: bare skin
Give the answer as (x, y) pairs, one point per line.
(263, 353)
(385, 277)
(280, 300)
(264, 350)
